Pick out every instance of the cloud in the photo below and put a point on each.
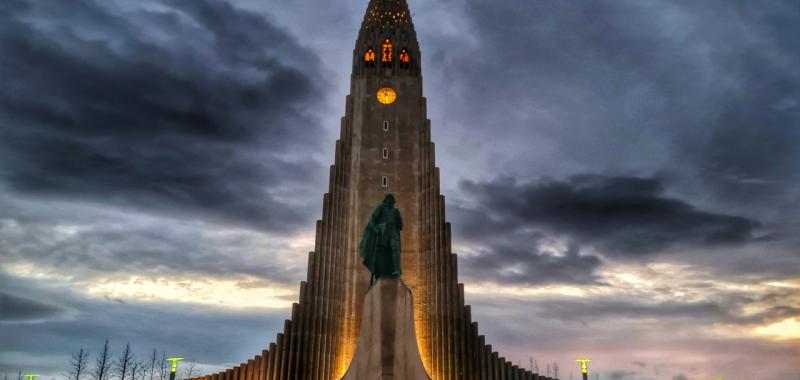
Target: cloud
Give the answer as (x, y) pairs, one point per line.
(636, 309)
(626, 375)
(64, 239)
(16, 309)
(529, 263)
(621, 216)
(200, 333)
(706, 94)
(680, 377)
(193, 108)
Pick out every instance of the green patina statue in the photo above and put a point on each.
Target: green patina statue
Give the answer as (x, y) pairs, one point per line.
(380, 246)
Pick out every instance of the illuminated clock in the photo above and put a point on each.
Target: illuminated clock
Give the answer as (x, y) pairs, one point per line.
(386, 95)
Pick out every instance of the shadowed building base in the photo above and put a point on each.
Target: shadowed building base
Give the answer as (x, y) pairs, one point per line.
(387, 343)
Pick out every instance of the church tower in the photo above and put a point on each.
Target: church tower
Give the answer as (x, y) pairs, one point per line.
(384, 147)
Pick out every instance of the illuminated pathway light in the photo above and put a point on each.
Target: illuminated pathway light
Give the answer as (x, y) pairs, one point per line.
(584, 367)
(173, 367)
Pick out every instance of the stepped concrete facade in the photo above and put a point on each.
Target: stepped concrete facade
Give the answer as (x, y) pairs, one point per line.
(384, 147)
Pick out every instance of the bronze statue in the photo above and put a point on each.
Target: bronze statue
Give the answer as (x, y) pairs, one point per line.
(380, 246)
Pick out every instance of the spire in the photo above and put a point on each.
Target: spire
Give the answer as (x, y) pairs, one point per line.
(387, 33)
(387, 14)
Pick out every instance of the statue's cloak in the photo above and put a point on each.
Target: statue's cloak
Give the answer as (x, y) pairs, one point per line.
(380, 244)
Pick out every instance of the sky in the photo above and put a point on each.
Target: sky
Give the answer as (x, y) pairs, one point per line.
(622, 177)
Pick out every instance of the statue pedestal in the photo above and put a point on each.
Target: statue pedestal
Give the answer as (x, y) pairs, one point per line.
(387, 343)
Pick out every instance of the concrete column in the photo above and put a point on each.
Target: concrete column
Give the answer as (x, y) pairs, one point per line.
(496, 366)
(270, 374)
(276, 371)
(482, 352)
(302, 337)
(262, 365)
(291, 352)
(250, 369)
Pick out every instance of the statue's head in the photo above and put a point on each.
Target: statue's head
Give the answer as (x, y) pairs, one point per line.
(389, 200)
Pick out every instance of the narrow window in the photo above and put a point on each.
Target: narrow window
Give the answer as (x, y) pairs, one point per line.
(386, 125)
(405, 59)
(386, 53)
(385, 153)
(385, 182)
(369, 58)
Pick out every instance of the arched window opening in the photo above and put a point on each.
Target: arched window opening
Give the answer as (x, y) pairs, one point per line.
(369, 58)
(386, 53)
(405, 59)
(385, 182)
(385, 153)
(386, 125)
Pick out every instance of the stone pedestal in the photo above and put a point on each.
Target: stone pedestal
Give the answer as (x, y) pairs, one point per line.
(387, 343)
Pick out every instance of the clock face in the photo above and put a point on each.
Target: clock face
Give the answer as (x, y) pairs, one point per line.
(386, 95)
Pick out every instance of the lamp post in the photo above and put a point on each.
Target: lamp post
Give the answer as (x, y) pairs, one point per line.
(173, 366)
(584, 367)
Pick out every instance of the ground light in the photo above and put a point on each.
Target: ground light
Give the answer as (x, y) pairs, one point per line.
(584, 367)
(173, 367)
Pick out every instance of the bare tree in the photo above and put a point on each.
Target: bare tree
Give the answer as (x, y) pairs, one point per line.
(190, 370)
(152, 366)
(555, 370)
(19, 375)
(79, 362)
(142, 371)
(163, 372)
(548, 369)
(134, 369)
(536, 366)
(123, 365)
(102, 370)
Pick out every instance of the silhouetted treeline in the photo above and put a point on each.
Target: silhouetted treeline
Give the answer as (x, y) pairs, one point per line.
(127, 365)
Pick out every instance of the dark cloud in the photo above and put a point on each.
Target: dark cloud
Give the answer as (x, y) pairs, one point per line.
(619, 215)
(625, 375)
(523, 261)
(680, 377)
(200, 333)
(636, 309)
(194, 108)
(16, 309)
(705, 92)
(97, 242)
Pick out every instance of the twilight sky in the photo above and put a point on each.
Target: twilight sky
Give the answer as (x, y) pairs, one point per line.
(623, 177)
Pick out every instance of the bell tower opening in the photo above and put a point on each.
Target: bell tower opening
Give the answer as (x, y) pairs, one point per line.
(369, 58)
(386, 53)
(405, 59)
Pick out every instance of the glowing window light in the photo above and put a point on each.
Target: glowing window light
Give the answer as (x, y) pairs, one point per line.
(404, 57)
(386, 55)
(369, 56)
